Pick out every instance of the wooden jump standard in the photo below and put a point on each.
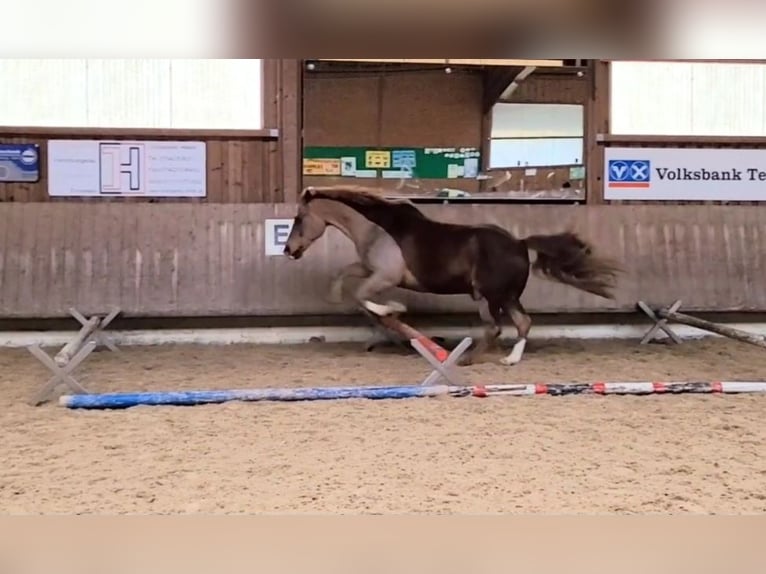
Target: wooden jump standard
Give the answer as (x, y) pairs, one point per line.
(442, 361)
(662, 316)
(90, 335)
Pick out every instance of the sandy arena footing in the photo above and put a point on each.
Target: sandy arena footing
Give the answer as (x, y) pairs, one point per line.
(579, 454)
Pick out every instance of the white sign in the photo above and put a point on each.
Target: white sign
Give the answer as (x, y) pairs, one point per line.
(92, 168)
(276, 232)
(684, 174)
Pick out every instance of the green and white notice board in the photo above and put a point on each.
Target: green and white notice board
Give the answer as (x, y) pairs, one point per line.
(392, 162)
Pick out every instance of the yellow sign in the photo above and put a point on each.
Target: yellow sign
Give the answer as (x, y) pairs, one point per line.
(377, 159)
(321, 167)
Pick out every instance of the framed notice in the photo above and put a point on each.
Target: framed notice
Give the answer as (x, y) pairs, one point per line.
(99, 168)
(684, 174)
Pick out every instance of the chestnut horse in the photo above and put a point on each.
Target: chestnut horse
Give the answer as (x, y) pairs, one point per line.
(405, 248)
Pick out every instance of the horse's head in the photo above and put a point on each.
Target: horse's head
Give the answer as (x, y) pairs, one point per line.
(308, 226)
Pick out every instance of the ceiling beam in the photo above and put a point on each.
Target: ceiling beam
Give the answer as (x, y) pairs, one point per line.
(451, 61)
(496, 80)
(520, 77)
(500, 83)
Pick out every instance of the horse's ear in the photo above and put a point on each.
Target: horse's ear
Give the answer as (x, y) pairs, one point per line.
(308, 194)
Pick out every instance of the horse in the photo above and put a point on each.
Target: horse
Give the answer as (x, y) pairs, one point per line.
(380, 265)
(484, 261)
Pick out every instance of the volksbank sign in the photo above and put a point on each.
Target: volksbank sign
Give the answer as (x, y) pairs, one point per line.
(685, 174)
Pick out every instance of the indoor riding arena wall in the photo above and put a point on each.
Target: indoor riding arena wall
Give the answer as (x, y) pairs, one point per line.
(208, 259)
(203, 257)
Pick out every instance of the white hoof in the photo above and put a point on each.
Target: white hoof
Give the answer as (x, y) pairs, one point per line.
(383, 310)
(514, 357)
(396, 307)
(377, 308)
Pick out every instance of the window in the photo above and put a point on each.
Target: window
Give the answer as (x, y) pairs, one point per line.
(688, 98)
(131, 93)
(536, 135)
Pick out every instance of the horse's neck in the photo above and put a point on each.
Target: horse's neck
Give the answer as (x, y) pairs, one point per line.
(345, 219)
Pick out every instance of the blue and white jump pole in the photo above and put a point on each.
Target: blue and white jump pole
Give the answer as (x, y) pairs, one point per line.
(191, 398)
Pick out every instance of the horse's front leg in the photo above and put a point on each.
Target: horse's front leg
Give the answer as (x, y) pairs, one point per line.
(335, 293)
(373, 285)
(370, 287)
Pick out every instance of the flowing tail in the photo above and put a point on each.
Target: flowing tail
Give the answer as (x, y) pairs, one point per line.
(568, 259)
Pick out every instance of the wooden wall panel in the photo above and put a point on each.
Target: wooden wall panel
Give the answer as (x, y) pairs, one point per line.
(420, 109)
(290, 114)
(240, 170)
(431, 110)
(341, 110)
(542, 88)
(597, 118)
(208, 260)
(395, 109)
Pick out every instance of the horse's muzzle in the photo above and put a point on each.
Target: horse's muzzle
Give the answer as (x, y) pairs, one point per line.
(296, 254)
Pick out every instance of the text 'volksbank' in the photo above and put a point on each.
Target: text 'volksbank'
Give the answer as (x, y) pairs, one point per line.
(686, 174)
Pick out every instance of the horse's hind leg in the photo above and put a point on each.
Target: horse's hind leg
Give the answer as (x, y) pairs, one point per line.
(523, 323)
(492, 315)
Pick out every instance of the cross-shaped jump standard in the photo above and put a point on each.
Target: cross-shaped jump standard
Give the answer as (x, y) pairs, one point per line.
(662, 316)
(442, 361)
(659, 323)
(90, 335)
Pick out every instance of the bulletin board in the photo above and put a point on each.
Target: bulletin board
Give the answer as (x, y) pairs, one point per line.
(392, 162)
